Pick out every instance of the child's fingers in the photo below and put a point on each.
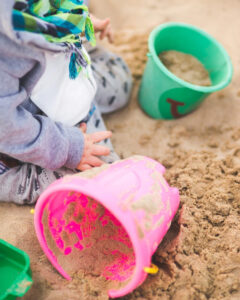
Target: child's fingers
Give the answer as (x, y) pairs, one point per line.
(83, 127)
(105, 31)
(94, 161)
(110, 35)
(100, 135)
(100, 150)
(84, 167)
(102, 35)
(102, 25)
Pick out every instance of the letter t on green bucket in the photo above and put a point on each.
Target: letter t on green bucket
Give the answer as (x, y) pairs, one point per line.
(163, 95)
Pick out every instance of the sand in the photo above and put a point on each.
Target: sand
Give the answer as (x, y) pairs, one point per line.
(93, 242)
(186, 67)
(200, 256)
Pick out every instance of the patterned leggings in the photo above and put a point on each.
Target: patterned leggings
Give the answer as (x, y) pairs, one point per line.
(24, 183)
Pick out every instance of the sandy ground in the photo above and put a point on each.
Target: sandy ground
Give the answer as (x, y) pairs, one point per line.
(200, 256)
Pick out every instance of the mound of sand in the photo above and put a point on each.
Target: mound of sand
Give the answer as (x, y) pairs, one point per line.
(186, 67)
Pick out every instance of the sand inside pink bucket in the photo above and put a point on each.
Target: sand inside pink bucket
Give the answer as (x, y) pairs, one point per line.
(89, 242)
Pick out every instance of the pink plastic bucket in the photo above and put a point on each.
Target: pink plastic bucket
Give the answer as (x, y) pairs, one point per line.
(126, 208)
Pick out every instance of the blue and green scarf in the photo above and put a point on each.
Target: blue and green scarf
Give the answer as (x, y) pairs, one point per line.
(59, 21)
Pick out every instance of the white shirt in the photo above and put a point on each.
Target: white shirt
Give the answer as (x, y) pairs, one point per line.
(63, 99)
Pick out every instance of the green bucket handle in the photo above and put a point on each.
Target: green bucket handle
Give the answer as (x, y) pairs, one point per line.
(19, 285)
(22, 286)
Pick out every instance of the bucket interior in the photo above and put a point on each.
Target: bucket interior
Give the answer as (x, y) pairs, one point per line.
(86, 238)
(189, 40)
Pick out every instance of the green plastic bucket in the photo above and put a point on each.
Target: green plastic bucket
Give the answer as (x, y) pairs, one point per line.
(162, 95)
(15, 272)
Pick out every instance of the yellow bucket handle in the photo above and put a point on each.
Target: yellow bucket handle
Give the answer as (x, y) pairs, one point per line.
(153, 269)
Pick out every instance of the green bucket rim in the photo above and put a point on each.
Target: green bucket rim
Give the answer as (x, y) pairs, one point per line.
(203, 89)
(21, 276)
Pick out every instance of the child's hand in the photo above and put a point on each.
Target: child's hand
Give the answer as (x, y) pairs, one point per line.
(104, 27)
(91, 150)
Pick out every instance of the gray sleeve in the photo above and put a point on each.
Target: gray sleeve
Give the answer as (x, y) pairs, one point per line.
(34, 138)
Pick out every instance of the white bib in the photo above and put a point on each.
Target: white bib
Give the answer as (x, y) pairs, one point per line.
(63, 99)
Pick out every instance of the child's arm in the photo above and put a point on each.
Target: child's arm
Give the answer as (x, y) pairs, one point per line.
(33, 138)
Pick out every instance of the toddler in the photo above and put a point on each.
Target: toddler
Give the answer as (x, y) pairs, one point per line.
(52, 94)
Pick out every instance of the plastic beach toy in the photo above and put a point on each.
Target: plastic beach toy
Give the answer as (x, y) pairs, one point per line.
(162, 95)
(15, 273)
(126, 207)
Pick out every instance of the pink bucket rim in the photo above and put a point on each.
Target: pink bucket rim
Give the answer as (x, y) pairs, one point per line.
(142, 261)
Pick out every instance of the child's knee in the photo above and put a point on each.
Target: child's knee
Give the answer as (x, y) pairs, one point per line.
(114, 82)
(125, 80)
(23, 184)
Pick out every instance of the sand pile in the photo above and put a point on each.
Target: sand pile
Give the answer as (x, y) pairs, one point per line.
(91, 242)
(186, 67)
(201, 260)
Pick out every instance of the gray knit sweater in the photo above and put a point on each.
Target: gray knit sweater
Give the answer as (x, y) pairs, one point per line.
(26, 134)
